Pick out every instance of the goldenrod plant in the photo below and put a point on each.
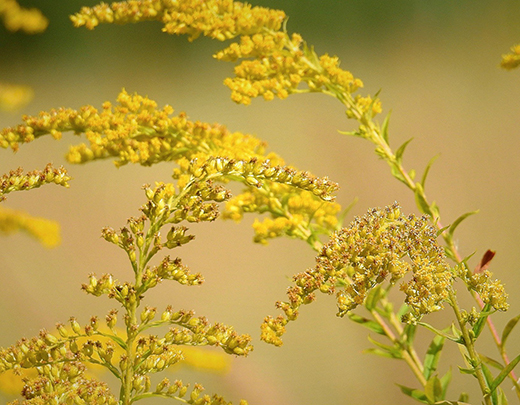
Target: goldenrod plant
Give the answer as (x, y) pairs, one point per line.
(360, 262)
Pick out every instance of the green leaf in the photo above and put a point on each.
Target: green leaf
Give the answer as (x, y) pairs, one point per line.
(396, 173)
(420, 200)
(414, 393)
(373, 298)
(384, 128)
(438, 331)
(367, 323)
(440, 231)
(502, 399)
(403, 310)
(503, 374)
(491, 362)
(433, 355)
(409, 333)
(457, 222)
(427, 169)
(489, 381)
(471, 371)
(466, 259)
(457, 333)
(451, 403)
(115, 338)
(378, 352)
(435, 210)
(508, 329)
(352, 133)
(399, 152)
(433, 389)
(449, 254)
(394, 352)
(479, 325)
(445, 382)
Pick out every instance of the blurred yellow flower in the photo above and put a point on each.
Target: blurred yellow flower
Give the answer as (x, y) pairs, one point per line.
(13, 97)
(45, 230)
(16, 18)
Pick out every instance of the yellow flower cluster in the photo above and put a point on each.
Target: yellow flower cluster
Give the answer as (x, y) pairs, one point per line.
(16, 18)
(134, 131)
(45, 230)
(292, 212)
(491, 292)
(13, 97)
(90, 344)
(65, 384)
(179, 391)
(219, 19)
(280, 65)
(511, 60)
(254, 171)
(16, 180)
(382, 245)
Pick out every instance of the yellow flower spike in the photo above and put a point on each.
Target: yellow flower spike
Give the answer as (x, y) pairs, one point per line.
(45, 230)
(219, 19)
(16, 180)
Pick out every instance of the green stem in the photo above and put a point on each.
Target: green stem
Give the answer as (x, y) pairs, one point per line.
(468, 343)
(415, 366)
(396, 323)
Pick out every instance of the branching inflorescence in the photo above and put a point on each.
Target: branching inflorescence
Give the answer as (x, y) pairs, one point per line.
(359, 263)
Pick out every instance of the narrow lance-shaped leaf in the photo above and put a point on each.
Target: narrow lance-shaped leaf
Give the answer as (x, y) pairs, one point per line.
(420, 200)
(392, 351)
(399, 152)
(508, 329)
(373, 298)
(479, 325)
(409, 333)
(433, 389)
(433, 355)
(445, 382)
(367, 323)
(489, 381)
(414, 393)
(502, 399)
(491, 362)
(438, 331)
(384, 127)
(503, 374)
(379, 352)
(458, 221)
(427, 170)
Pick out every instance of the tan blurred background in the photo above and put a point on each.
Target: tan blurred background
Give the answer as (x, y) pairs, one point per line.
(436, 63)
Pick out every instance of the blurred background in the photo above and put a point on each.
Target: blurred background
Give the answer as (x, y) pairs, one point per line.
(436, 64)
